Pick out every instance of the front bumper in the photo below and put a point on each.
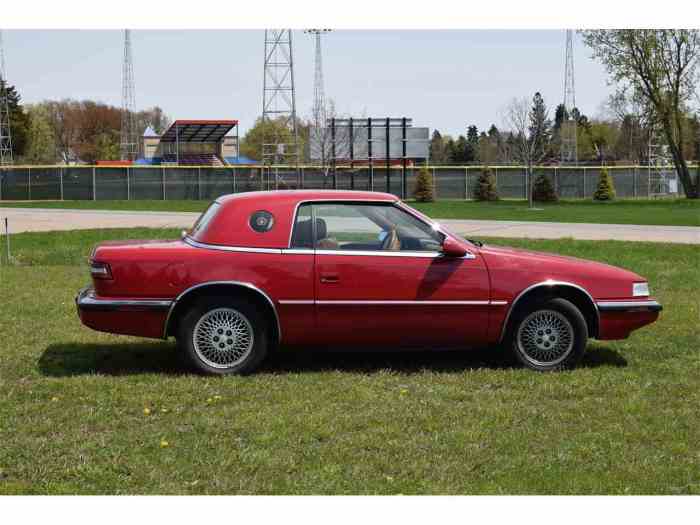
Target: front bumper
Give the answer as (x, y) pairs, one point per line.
(620, 318)
(629, 306)
(137, 316)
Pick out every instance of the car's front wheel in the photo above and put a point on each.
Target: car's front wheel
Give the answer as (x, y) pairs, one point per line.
(549, 334)
(223, 337)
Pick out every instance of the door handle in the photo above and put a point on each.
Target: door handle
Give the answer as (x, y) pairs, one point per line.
(330, 278)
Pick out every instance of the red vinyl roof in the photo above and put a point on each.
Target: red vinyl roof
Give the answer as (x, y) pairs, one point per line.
(202, 131)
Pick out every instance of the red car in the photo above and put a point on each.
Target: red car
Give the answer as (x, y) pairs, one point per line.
(348, 268)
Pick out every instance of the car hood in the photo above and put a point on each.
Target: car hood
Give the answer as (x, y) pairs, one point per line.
(543, 262)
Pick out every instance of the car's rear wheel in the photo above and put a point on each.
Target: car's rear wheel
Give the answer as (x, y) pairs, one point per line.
(223, 336)
(549, 334)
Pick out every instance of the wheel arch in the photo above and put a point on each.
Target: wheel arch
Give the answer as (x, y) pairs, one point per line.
(574, 293)
(222, 289)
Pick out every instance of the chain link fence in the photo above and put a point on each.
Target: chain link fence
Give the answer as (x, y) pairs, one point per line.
(207, 183)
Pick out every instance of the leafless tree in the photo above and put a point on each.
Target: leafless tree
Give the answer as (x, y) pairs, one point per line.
(525, 147)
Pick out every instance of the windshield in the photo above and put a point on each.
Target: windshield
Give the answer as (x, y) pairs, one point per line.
(201, 225)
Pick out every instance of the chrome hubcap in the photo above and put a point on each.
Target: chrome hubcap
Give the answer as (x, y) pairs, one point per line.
(545, 337)
(223, 337)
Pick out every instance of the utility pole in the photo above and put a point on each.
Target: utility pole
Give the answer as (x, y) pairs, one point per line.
(569, 138)
(5, 128)
(129, 141)
(279, 118)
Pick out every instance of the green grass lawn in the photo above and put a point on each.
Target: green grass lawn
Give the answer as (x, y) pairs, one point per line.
(679, 212)
(72, 402)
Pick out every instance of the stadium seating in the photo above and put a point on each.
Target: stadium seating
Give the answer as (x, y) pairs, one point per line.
(202, 159)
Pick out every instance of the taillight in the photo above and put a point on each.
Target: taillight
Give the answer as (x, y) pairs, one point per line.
(100, 270)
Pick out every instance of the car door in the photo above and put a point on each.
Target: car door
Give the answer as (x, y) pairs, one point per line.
(381, 279)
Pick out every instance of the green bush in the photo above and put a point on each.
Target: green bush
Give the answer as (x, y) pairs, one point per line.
(606, 189)
(543, 191)
(425, 191)
(486, 189)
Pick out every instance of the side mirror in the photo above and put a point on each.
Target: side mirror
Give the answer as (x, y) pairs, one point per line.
(451, 248)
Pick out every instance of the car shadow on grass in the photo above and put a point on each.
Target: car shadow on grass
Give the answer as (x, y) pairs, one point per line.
(63, 360)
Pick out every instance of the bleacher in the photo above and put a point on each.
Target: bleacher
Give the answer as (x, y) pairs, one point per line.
(201, 159)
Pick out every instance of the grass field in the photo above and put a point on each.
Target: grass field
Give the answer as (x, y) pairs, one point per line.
(84, 412)
(681, 212)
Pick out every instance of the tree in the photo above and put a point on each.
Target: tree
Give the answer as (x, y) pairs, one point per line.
(486, 189)
(41, 143)
(606, 188)
(540, 132)
(542, 190)
(251, 145)
(472, 146)
(661, 65)
(19, 122)
(154, 117)
(438, 149)
(425, 191)
(529, 134)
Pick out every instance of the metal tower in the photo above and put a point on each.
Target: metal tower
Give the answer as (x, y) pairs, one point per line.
(280, 138)
(5, 132)
(129, 140)
(319, 105)
(569, 142)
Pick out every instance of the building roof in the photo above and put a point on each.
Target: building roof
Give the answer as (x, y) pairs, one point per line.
(201, 131)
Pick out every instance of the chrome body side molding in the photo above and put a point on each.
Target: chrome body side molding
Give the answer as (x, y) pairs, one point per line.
(225, 283)
(196, 244)
(547, 283)
(362, 302)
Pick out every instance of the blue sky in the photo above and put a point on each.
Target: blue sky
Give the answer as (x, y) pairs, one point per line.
(443, 79)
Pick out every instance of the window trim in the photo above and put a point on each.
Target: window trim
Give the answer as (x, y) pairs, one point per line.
(395, 203)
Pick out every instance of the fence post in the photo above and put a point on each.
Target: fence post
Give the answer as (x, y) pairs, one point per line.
(435, 184)
(94, 190)
(466, 183)
(29, 184)
(128, 185)
(60, 174)
(634, 181)
(199, 182)
(584, 184)
(163, 181)
(556, 181)
(495, 177)
(301, 178)
(235, 180)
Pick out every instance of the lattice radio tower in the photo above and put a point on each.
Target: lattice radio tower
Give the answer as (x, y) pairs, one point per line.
(129, 140)
(5, 132)
(319, 105)
(569, 142)
(280, 143)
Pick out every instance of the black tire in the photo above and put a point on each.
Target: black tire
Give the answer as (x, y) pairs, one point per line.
(232, 310)
(529, 338)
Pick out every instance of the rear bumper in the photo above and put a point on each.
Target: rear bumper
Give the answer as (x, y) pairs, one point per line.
(132, 316)
(620, 318)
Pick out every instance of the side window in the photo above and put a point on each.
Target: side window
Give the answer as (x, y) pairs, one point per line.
(344, 226)
(302, 235)
(372, 227)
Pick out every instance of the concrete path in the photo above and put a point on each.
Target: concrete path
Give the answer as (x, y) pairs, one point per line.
(41, 219)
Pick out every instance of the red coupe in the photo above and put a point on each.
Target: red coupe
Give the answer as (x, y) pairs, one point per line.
(346, 268)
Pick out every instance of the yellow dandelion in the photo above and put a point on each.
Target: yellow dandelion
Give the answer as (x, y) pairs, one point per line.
(54, 399)
(164, 443)
(210, 400)
(403, 391)
(217, 397)
(164, 410)
(146, 411)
